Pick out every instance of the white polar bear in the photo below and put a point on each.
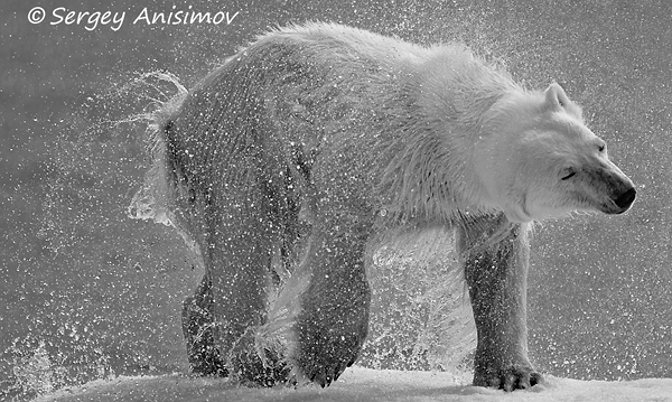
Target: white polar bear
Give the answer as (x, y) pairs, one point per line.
(315, 143)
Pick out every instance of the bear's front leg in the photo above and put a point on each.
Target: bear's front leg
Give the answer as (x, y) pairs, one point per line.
(334, 317)
(496, 254)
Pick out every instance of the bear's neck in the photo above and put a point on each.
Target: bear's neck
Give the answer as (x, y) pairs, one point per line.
(430, 174)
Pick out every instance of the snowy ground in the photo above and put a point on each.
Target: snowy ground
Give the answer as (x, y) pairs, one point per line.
(360, 384)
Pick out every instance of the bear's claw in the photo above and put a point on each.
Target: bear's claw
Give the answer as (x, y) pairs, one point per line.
(324, 376)
(513, 381)
(510, 378)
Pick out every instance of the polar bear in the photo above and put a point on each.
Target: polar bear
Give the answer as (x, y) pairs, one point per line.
(288, 165)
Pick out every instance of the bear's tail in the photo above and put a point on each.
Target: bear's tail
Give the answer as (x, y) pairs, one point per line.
(155, 200)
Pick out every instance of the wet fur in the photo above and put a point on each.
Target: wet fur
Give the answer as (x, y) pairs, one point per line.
(291, 163)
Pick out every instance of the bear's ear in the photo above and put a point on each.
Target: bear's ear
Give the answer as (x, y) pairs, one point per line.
(556, 98)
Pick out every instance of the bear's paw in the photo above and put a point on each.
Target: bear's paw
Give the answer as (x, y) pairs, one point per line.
(326, 357)
(509, 378)
(252, 364)
(324, 371)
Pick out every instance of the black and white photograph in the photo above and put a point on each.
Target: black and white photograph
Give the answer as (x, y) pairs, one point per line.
(311, 200)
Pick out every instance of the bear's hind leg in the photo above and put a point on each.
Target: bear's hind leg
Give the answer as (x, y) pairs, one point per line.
(221, 322)
(198, 330)
(496, 253)
(334, 317)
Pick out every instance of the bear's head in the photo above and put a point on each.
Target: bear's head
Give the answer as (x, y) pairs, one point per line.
(540, 160)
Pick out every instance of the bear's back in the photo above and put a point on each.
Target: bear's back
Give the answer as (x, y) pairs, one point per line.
(446, 74)
(331, 90)
(334, 40)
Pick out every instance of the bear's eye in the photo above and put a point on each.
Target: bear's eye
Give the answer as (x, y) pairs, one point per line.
(567, 174)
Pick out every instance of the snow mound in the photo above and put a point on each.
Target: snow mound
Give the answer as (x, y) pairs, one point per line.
(359, 384)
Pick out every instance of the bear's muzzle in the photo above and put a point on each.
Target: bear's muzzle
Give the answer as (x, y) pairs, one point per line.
(625, 200)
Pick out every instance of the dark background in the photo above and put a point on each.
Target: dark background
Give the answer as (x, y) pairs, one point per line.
(86, 292)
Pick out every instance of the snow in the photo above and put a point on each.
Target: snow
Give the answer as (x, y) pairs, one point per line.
(360, 384)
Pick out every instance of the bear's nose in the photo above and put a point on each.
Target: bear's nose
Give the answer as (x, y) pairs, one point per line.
(626, 199)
